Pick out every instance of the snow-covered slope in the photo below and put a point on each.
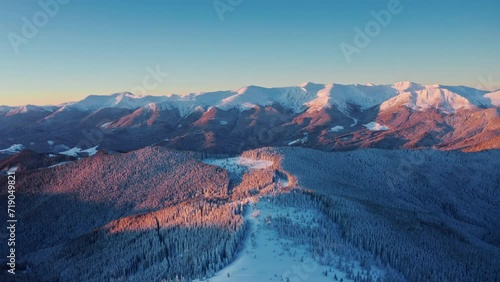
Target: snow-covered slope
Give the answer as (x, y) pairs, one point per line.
(494, 98)
(16, 148)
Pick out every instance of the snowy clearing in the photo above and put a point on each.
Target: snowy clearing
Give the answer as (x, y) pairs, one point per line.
(267, 257)
(374, 126)
(239, 164)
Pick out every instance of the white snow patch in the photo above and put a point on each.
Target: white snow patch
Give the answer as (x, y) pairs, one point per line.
(50, 142)
(236, 164)
(75, 151)
(223, 122)
(12, 169)
(336, 128)
(71, 152)
(91, 151)
(301, 140)
(16, 148)
(374, 126)
(105, 124)
(61, 163)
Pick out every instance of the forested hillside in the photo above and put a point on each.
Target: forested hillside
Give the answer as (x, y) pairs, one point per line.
(63, 203)
(186, 241)
(161, 215)
(431, 215)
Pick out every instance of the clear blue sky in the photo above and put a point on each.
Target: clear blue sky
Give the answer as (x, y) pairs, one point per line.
(103, 47)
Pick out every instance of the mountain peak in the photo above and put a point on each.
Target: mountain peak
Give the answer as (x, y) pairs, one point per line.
(309, 84)
(127, 94)
(407, 86)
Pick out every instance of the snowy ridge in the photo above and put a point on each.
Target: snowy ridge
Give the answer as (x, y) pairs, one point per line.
(293, 98)
(307, 96)
(119, 100)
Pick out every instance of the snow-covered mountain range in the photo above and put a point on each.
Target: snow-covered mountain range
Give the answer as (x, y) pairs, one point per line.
(296, 98)
(335, 116)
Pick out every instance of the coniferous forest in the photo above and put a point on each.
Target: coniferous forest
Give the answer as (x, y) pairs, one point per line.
(162, 215)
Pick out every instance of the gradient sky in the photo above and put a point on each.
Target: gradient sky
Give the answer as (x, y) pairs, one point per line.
(103, 47)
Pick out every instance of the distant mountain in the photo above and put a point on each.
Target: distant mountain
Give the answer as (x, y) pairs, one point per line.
(321, 116)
